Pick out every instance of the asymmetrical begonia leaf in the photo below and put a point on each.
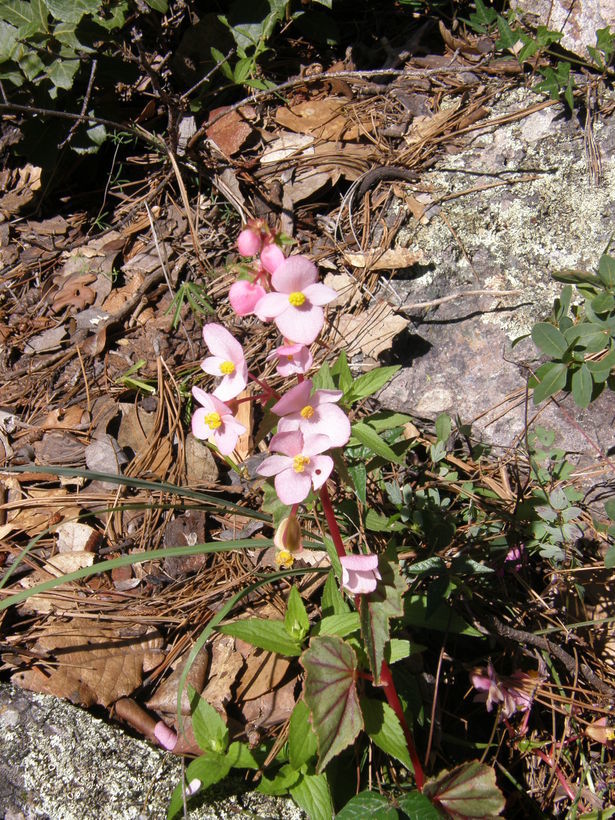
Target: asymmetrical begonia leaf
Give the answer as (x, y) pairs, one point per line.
(375, 610)
(469, 790)
(330, 692)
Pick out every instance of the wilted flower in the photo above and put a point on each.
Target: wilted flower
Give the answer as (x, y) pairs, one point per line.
(601, 732)
(214, 421)
(360, 573)
(313, 415)
(295, 304)
(514, 692)
(288, 535)
(227, 361)
(300, 467)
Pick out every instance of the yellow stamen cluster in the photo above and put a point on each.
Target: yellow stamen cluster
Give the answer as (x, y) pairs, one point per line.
(226, 368)
(285, 559)
(307, 412)
(213, 421)
(296, 298)
(300, 463)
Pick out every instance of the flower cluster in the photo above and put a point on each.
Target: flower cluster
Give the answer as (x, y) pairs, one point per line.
(286, 291)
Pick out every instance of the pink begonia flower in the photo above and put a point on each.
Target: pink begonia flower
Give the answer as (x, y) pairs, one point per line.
(300, 467)
(214, 421)
(249, 242)
(244, 296)
(296, 304)
(292, 359)
(313, 415)
(227, 361)
(360, 573)
(272, 257)
(512, 692)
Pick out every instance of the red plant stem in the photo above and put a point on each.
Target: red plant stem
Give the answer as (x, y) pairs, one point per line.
(385, 673)
(392, 697)
(558, 773)
(269, 391)
(325, 500)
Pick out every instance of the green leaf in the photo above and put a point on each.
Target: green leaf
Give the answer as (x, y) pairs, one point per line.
(582, 386)
(388, 420)
(370, 438)
(369, 383)
(333, 602)
(312, 794)
(296, 620)
(442, 618)
(508, 37)
(382, 523)
(548, 338)
(483, 18)
(609, 508)
(323, 380)
(241, 756)
(419, 807)
(210, 768)
(281, 783)
(366, 805)
(329, 5)
(383, 727)
(269, 635)
(302, 741)
(358, 473)
(609, 558)
(468, 790)
(71, 11)
(593, 336)
(209, 729)
(606, 270)
(158, 5)
(220, 58)
(8, 41)
(549, 379)
(341, 625)
(242, 70)
(330, 692)
(444, 427)
(375, 610)
(62, 73)
(576, 277)
(341, 370)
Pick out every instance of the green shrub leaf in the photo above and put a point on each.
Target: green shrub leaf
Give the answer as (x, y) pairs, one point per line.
(311, 793)
(209, 729)
(383, 727)
(369, 383)
(548, 338)
(302, 741)
(582, 386)
(368, 806)
(550, 378)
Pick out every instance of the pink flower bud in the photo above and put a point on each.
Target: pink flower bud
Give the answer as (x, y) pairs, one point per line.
(244, 295)
(249, 243)
(288, 535)
(271, 258)
(165, 736)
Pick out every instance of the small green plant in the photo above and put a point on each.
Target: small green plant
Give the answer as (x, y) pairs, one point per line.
(128, 379)
(194, 295)
(579, 339)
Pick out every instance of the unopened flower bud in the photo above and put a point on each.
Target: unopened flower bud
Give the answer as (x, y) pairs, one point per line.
(249, 243)
(271, 258)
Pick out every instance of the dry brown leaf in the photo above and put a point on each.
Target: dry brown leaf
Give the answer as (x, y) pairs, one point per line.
(223, 671)
(75, 292)
(60, 447)
(231, 131)
(165, 698)
(18, 188)
(104, 455)
(272, 709)
(74, 536)
(92, 664)
(263, 672)
(244, 416)
(391, 259)
(287, 145)
(201, 467)
(46, 341)
(369, 333)
(323, 117)
(423, 128)
(65, 562)
(64, 418)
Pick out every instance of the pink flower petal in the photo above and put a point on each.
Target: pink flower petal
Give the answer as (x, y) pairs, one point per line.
(294, 274)
(231, 386)
(295, 400)
(288, 443)
(301, 324)
(360, 563)
(244, 296)
(319, 294)
(328, 420)
(292, 487)
(312, 445)
(321, 468)
(165, 736)
(212, 364)
(204, 399)
(271, 306)
(272, 257)
(326, 397)
(274, 465)
(199, 428)
(225, 437)
(221, 343)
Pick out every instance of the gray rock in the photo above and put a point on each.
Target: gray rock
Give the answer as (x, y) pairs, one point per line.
(58, 762)
(459, 356)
